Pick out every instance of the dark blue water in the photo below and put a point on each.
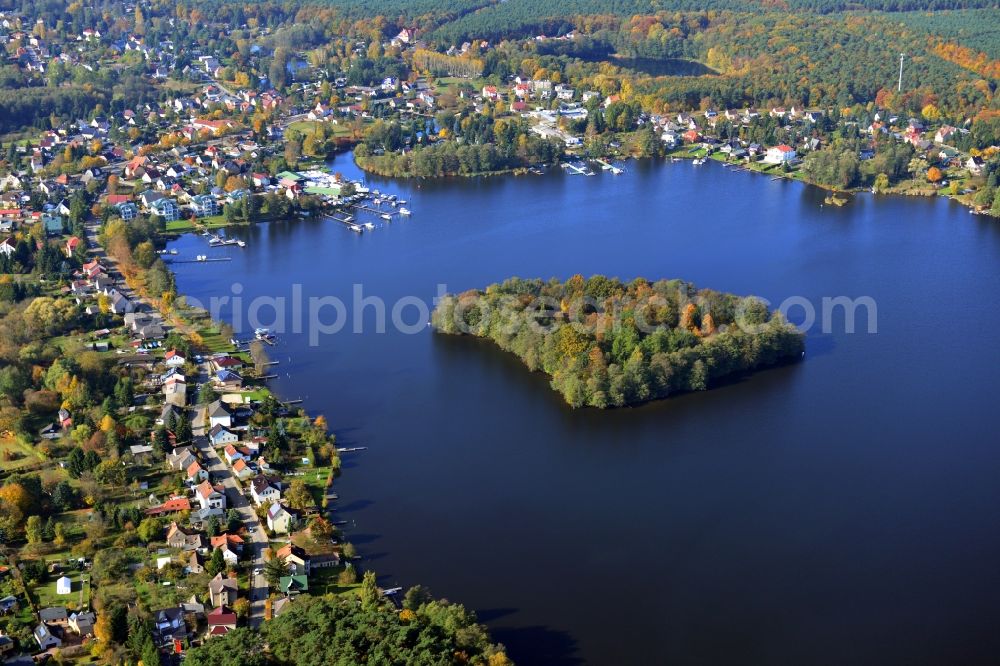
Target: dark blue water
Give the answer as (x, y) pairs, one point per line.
(841, 510)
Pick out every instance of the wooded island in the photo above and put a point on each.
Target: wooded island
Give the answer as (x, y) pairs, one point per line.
(606, 343)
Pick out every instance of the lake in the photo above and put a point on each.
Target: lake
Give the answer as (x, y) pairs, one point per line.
(844, 509)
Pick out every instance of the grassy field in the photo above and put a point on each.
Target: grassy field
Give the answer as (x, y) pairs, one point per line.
(305, 127)
(324, 581)
(187, 225)
(79, 598)
(15, 454)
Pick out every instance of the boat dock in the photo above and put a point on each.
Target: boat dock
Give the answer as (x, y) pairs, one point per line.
(577, 170)
(351, 449)
(607, 166)
(369, 209)
(347, 222)
(196, 261)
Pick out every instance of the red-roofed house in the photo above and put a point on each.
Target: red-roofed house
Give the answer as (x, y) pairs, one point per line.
(172, 505)
(221, 621)
(779, 154)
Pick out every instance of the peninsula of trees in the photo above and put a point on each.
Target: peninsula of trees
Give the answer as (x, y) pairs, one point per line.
(606, 343)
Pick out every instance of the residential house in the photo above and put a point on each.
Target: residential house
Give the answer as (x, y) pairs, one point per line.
(82, 623)
(196, 473)
(169, 625)
(221, 621)
(194, 565)
(121, 304)
(175, 393)
(234, 542)
(220, 435)
(292, 585)
(975, 165)
(141, 452)
(173, 359)
(172, 505)
(222, 590)
(183, 540)
(217, 413)
(943, 134)
(8, 604)
(225, 362)
(295, 558)
(279, 520)
(263, 490)
(45, 638)
(8, 246)
(780, 154)
(228, 380)
(181, 458)
(231, 453)
(209, 496)
(53, 615)
(242, 470)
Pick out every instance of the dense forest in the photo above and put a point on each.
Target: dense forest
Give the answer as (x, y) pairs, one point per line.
(606, 343)
(516, 18)
(323, 631)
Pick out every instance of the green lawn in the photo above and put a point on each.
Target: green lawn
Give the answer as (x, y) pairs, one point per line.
(46, 596)
(187, 225)
(305, 127)
(324, 581)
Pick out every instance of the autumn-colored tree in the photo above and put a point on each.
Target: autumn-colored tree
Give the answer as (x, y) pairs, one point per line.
(707, 324)
(689, 317)
(934, 174)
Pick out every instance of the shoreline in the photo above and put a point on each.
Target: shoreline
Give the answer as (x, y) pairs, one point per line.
(768, 170)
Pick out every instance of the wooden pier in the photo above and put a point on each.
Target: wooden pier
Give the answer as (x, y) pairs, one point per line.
(197, 261)
(607, 166)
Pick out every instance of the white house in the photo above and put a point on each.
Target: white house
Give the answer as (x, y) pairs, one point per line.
(220, 435)
(261, 490)
(779, 154)
(64, 585)
(279, 520)
(218, 414)
(172, 359)
(209, 497)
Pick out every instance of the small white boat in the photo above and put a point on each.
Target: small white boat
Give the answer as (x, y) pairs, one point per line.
(369, 226)
(241, 243)
(201, 257)
(386, 216)
(404, 211)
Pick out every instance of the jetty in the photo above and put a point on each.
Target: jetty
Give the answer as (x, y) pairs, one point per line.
(350, 449)
(576, 169)
(369, 209)
(198, 260)
(347, 222)
(607, 166)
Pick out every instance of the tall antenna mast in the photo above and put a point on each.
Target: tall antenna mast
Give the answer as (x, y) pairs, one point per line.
(899, 87)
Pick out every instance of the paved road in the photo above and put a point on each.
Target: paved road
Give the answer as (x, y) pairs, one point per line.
(235, 499)
(256, 538)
